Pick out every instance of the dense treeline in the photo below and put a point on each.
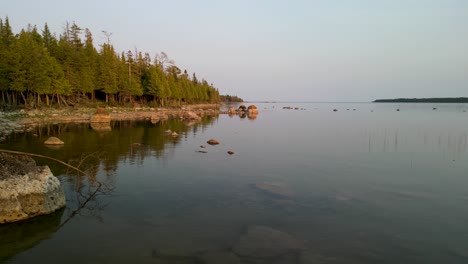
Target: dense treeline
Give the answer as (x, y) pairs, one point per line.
(231, 98)
(424, 100)
(39, 69)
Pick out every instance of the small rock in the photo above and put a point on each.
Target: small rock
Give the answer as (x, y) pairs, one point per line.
(202, 151)
(168, 131)
(230, 152)
(213, 142)
(202, 146)
(174, 134)
(54, 141)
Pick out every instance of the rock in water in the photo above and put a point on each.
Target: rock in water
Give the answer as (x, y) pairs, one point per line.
(213, 142)
(231, 152)
(252, 109)
(27, 194)
(101, 116)
(189, 115)
(265, 242)
(54, 141)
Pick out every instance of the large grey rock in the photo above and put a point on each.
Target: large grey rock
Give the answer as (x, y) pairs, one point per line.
(25, 195)
(265, 242)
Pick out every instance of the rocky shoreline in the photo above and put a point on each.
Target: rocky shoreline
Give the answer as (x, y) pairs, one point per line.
(25, 120)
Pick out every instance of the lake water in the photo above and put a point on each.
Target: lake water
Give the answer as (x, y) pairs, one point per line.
(364, 184)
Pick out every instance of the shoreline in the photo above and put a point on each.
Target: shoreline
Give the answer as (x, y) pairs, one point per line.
(25, 120)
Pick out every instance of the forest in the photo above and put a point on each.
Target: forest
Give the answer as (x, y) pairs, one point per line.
(39, 69)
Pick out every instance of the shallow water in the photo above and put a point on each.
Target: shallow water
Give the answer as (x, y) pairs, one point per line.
(367, 184)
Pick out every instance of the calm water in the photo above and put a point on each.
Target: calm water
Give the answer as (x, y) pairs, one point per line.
(370, 185)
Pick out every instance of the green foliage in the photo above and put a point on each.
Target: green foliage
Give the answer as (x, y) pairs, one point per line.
(231, 98)
(38, 68)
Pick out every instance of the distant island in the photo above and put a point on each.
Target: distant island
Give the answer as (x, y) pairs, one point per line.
(424, 100)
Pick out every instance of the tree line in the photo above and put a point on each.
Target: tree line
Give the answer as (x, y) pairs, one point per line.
(230, 99)
(39, 69)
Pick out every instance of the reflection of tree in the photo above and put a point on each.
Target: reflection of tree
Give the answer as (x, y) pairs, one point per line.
(128, 140)
(20, 236)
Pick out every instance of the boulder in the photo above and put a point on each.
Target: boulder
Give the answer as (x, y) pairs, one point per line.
(101, 116)
(53, 141)
(27, 190)
(252, 115)
(267, 243)
(252, 109)
(213, 142)
(242, 108)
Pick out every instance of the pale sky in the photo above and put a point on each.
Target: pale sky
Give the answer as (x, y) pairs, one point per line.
(311, 50)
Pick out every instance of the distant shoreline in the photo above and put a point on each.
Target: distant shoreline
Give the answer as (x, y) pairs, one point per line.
(424, 100)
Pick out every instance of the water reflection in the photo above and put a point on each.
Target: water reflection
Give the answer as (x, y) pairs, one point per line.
(20, 236)
(96, 150)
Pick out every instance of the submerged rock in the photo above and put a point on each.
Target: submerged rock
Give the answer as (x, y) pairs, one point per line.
(53, 141)
(265, 242)
(274, 188)
(220, 257)
(27, 190)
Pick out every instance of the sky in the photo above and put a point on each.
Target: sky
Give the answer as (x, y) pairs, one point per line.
(269, 50)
